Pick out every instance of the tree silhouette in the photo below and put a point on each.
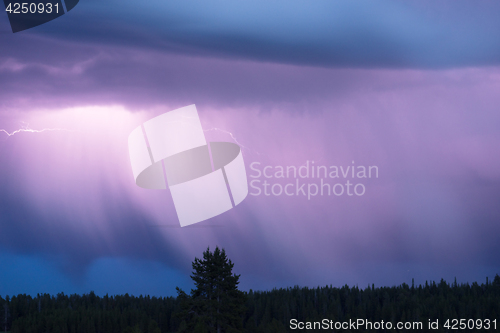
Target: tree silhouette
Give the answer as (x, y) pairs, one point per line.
(215, 305)
(267, 311)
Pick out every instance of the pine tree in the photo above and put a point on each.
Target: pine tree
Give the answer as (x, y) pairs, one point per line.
(6, 316)
(216, 304)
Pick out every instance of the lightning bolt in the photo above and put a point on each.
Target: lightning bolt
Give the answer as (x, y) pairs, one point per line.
(224, 131)
(230, 134)
(212, 129)
(25, 128)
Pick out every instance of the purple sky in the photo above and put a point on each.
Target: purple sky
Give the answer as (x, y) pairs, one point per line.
(72, 219)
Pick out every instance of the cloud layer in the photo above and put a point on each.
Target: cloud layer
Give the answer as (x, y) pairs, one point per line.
(343, 83)
(389, 34)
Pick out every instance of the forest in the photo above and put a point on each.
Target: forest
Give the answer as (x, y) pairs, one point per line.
(264, 311)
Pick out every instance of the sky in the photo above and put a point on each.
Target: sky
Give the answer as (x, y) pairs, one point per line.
(412, 88)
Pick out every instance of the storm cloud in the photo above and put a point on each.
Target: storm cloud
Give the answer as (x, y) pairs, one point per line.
(411, 88)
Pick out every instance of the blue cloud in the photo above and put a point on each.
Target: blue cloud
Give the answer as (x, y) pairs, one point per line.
(368, 34)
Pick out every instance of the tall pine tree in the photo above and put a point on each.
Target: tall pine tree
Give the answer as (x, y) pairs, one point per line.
(215, 305)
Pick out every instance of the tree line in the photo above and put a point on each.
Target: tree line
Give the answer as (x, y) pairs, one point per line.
(215, 305)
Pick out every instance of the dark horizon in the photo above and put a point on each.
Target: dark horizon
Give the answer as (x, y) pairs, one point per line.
(433, 305)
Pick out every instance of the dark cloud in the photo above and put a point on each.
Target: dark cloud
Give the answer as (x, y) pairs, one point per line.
(64, 74)
(388, 34)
